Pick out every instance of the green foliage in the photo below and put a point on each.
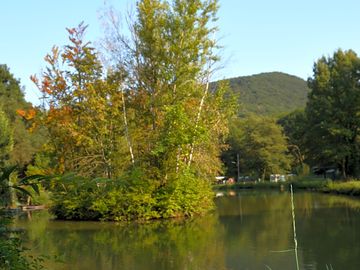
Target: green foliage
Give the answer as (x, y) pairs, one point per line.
(188, 195)
(12, 253)
(131, 246)
(270, 93)
(84, 119)
(351, 188)
(25, 143)
(294, 125)
(12, 186)
(42, 164)
(310, 183)
(151, 121)
(172, 114)
(134, 197)
(42, 198)
(333, 109)
(261, 145)
(11, 96)
(6, 191)
(6, 139)
(346, 188)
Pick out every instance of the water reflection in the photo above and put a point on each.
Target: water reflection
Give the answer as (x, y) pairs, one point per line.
(191, 244)
(250, 230)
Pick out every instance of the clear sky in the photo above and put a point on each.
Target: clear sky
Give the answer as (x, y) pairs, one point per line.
(257, 35)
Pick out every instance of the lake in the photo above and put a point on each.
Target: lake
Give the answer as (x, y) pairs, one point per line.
(248, 230)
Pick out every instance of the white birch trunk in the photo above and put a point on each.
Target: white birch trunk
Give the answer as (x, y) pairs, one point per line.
(201, 105)
(127, 136)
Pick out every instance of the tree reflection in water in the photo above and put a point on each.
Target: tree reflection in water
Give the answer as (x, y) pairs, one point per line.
(246, 232)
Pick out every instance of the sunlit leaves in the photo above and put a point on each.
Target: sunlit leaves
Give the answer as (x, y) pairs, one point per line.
(83, 113)
(333, 110)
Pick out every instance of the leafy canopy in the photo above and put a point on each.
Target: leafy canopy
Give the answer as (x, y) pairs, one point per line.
(333, 112)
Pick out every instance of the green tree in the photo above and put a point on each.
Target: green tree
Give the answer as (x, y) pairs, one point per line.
(294, 125)
(176, 125)
(261, 145)
(153, 107)
(12, 101)
(333, 111)
(172, 54)
(11, 95)
(6, 139)
(84, 114)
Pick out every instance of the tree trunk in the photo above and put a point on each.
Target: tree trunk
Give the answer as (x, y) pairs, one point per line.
(126, 127)
(343, 169)
(198, 119)
(263, 174)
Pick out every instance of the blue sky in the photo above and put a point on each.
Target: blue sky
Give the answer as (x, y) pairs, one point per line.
(257, 36)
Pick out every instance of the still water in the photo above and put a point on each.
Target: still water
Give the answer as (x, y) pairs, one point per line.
(249, 230)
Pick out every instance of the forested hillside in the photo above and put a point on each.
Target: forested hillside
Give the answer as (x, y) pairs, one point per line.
(270, 93)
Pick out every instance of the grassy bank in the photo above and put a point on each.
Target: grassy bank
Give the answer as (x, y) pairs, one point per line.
(347, 188)
(351, 188)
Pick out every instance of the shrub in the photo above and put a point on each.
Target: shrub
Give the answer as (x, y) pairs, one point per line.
(187, 195)
(134, 197)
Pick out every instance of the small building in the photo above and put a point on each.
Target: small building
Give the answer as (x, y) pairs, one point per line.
(277, 178)
(327, 171)
(220, 179)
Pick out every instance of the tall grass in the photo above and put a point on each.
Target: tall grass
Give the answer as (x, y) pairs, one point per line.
(347, 188)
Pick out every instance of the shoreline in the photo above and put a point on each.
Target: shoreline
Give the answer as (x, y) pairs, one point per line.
(348, 188)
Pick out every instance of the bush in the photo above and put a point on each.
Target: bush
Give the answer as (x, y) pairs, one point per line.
(187, 195)
(134, 197)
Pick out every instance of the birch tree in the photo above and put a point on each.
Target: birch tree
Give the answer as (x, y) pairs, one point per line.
(172, 50)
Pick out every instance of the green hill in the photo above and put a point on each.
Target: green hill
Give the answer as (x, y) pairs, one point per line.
(270, 93)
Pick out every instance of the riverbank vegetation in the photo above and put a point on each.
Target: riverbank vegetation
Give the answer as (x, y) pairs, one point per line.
(313, 184)
(12, 253)
(350, 187)
(136, 131)
(138, 136)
